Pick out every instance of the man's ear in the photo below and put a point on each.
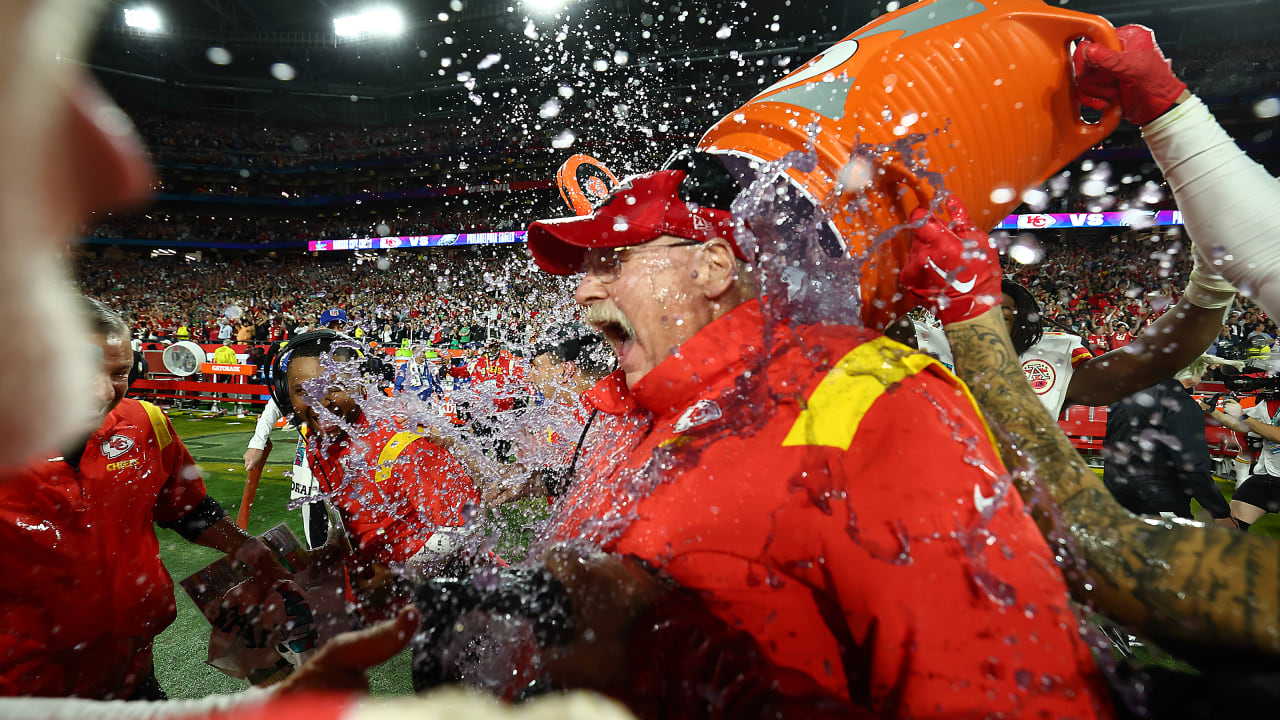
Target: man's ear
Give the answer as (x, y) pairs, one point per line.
(720, 267)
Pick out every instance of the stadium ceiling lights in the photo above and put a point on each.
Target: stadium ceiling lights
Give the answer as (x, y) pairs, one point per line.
(145, 19)
(374, 22)
(545, 7)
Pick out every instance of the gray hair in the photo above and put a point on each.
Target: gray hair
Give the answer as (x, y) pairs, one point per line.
(102, 319)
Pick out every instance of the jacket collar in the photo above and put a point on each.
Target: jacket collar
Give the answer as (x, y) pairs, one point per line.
(722, 349)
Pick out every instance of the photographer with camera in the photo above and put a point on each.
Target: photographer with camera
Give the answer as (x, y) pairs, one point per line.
(1260, 493)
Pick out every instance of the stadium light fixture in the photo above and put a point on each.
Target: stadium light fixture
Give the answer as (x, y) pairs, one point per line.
(544, 7)
(374, 22)
(143, 18)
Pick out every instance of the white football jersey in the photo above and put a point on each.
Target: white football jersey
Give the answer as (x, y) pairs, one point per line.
(1269, 458)
(1049, 365)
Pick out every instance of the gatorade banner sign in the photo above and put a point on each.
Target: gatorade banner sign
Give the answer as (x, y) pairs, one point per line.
(220, 369)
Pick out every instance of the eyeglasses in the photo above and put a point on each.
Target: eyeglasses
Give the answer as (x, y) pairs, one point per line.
(606, 265)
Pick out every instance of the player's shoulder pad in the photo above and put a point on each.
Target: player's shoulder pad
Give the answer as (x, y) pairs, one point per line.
(159, 423)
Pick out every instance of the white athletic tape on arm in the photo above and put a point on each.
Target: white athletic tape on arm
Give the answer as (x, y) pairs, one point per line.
(1227, 200)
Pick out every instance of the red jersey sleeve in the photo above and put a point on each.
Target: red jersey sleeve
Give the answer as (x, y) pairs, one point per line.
(1080, 355)
(183, 487)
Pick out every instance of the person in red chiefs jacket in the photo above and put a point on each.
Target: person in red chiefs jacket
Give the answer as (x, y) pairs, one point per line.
(83, 592)
(400, 496)
(767, 475)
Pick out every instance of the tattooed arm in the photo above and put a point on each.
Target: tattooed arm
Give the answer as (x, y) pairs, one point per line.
(1179, 584)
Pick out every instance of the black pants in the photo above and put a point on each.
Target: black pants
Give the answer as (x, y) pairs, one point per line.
(1261, 491)
(1149, 496)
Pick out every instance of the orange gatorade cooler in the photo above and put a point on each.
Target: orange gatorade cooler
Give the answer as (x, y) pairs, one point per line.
(977, 94)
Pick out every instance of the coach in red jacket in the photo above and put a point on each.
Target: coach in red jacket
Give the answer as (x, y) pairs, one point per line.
(82, 590)
(783, 479)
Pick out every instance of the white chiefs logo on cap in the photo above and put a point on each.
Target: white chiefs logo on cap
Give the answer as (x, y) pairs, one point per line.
(115, 446)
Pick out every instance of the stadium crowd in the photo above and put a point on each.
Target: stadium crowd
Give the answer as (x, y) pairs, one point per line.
(463, 294)
(488, 212)
(1107, 289)
(186, 138)
(1100, 288)
(174, 138)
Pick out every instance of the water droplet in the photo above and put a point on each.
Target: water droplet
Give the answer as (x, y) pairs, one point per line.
(218, 55)
(283, 71)
(1003, 194)
(550, 108)
(1267, 108)
(563, 140)
(1093, 188)
(1035, 199)
(1026, 250)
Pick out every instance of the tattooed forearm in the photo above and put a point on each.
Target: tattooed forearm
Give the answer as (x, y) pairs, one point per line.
(1180, 585)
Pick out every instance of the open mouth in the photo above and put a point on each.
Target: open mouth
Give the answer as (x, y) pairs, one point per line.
(616, 333)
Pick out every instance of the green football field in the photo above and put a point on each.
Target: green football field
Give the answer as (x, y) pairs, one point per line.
(218, 445)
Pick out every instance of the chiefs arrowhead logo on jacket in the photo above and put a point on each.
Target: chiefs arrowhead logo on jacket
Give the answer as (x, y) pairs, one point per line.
(115, 446)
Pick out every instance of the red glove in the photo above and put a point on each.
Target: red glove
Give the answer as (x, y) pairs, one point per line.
(1139, 77)
(955, 272)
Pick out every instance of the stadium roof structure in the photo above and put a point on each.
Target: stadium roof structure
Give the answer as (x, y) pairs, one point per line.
(283, 56)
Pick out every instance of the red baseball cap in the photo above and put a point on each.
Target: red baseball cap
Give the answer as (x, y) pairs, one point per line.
(640, 209)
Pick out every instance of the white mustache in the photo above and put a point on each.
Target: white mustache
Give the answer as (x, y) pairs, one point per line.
(601, 314)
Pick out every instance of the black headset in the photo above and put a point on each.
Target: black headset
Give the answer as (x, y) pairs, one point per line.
(278, 374)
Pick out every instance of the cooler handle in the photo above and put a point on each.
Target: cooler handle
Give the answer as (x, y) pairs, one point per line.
(1072, 26)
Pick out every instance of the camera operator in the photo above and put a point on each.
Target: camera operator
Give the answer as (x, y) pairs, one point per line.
(1260, 494)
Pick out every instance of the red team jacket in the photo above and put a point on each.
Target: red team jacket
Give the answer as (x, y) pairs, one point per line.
(392, 489)
(843, 507)
(82, 590)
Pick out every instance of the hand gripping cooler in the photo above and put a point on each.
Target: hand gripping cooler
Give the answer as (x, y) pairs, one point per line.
(988, 85)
